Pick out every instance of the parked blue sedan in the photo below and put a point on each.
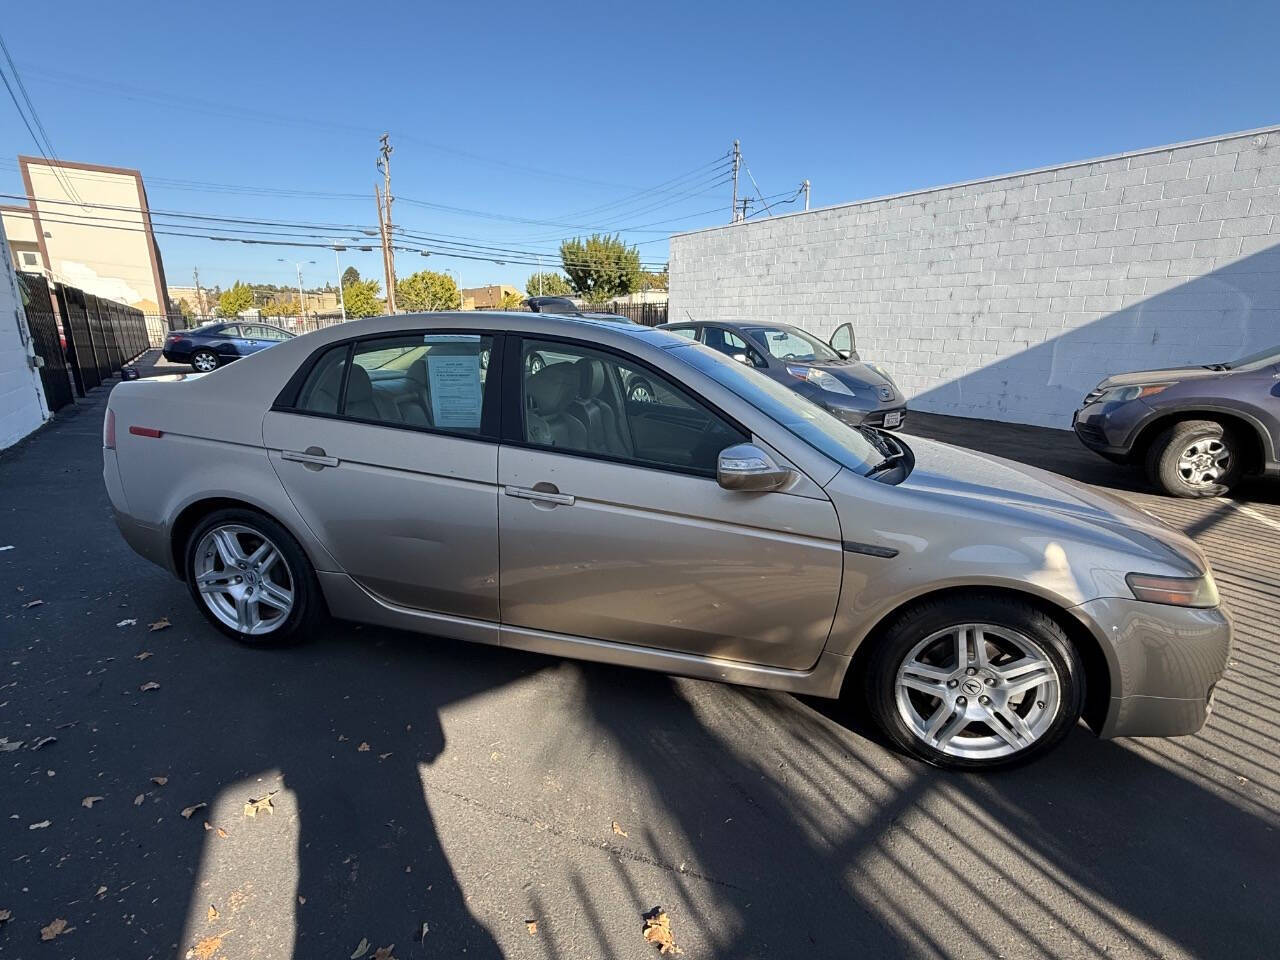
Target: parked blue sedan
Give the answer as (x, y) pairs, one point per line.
(207, 348)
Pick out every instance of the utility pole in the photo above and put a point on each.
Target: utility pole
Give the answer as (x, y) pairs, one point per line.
(337, 267)
(737, 162)
(384, 216)
(302, 300)
(805, 187)
(195, 274)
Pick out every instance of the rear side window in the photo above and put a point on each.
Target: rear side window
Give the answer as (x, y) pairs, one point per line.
(322, 389)
(427, 380)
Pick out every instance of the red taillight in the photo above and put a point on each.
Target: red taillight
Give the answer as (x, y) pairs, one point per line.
(109, 430)
(145, 432)
(174, 337)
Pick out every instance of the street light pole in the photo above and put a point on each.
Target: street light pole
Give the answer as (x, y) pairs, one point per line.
(337, 266)
(302, 299)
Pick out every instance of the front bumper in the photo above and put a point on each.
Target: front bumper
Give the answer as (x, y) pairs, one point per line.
(1163, 662)
(1110, 428)
(858, 417)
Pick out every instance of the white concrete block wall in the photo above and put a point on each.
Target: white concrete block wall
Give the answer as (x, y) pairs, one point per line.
(22, 403)
(1009, 298)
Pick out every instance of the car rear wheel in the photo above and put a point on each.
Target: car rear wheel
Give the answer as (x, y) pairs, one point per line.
(250, 578)
(202, 361)
(975, 683)
(1195, 458)
(640, 390)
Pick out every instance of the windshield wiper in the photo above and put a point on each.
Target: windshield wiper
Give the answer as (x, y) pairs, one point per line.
(886, 446)
(1217, 366)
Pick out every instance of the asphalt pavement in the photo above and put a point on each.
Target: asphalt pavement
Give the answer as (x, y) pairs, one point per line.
(467, 801)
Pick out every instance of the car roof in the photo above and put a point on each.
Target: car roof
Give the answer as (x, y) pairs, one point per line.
(745, 324)
(516, 321)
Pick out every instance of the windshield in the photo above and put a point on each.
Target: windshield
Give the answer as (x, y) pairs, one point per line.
(843, 444)
(790, 343)
(1261, 358)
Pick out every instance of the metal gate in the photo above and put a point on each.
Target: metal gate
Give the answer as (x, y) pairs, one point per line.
(43, 324)
(84, 367)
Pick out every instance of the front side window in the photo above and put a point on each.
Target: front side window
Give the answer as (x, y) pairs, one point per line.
(806, 420)
(790, 343)
(432, 380)
(731, 345)
(587, 401)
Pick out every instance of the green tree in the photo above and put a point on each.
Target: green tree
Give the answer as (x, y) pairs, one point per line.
(184, 308)
(601, 267)
(428, 290)
(548, 284)
(362, 298)
(233, 302)
(653, 280)
(511, 300)
(281, 305)
(350, 275)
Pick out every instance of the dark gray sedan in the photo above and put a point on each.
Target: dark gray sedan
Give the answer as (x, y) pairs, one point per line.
(831, 375)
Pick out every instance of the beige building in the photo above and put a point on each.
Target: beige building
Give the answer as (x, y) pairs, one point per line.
(487, 297)
(89, 226)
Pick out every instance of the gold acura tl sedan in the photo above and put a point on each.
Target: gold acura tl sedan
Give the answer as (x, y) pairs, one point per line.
(418, 472)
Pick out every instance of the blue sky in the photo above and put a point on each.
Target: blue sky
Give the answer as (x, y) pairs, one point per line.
(563, 112)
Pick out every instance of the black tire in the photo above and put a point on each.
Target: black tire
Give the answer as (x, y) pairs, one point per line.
(206, 356)
(1166, 454)
(536, 363)
(910, 628)
(308, 610)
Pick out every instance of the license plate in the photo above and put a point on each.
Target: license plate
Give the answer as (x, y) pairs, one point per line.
(893, 419)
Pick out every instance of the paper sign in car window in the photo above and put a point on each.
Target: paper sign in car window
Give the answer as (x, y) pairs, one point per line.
(456, 392)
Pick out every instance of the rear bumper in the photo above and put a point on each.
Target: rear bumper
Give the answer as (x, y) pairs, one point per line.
(1163, 661)
(147, 540)
(176, 356)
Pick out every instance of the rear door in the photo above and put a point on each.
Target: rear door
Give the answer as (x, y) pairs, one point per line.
(228, 342)
(613, 527)
(389, 452)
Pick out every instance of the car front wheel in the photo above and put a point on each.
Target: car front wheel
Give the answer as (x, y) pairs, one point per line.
(1195, 458)
(975, 683)
(202, 361)
(251, 579)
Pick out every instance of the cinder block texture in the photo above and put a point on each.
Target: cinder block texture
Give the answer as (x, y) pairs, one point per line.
(1010, 298)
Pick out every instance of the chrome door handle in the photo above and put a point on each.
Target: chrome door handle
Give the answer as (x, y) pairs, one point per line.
(539, 496)
(312, 456)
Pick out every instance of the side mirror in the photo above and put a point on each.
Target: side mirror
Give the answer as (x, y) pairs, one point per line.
(747, 467)
(847, 354)
(742, 358)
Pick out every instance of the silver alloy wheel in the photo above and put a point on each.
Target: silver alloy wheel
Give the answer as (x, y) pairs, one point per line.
(640, 393)
(243, 579)
(978, 691)
(1204, 461)
(204, 361)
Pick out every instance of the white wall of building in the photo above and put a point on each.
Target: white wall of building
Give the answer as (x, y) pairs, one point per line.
(1009, 298)
(22, 403)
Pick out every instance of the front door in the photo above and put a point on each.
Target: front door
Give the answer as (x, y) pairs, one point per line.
(389, 454)
(613, 527)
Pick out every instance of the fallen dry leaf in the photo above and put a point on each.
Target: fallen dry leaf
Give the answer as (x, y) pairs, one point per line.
(208, 825)
(126, 623)
(422, 934)
(149, 685)
(263, 804)
(159, 781)
(222, 833)
(206, 948)
(188, 811)
(39, 826)
(657, 930)
(8, 746)
(143, 655)
(385, 953)
(213, 913)
(43, 742)
(27, 606)
(363, 748)
(160, 624)
(5, 915)
(101, 891)
(383, 756)
(618, 830)
(59, 926)
(137, 801)
(361, 948)
(88, 802)
(532, 925)
(302, 901)
(342, 738)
